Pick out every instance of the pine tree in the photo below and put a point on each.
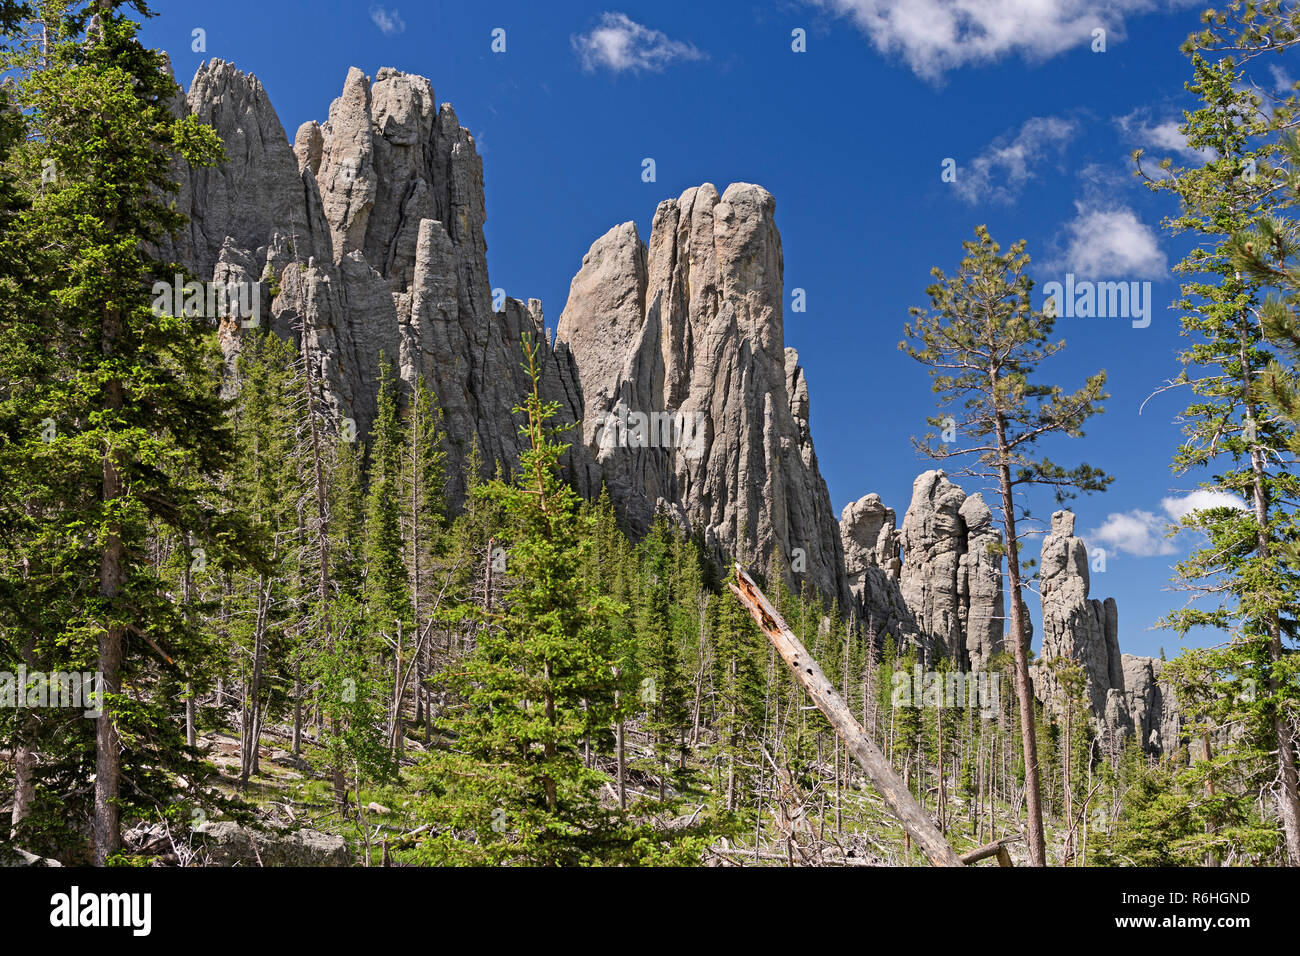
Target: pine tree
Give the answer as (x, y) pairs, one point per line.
(424, 494)
(388, 602)
(347, 507)
(1252, 30)
(1169, 818)
(18, 601)
(981, 340)
(1247, 567)
(263, 420)
(663, 690)
(538, 685)
(612, 562)
(130, 391)
(1072, 681)
(332, 618)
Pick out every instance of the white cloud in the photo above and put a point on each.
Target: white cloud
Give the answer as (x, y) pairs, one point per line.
(1006, 164)
(619, 43)
(1281, 79)
(390, 24)
(1111, 242)
(1142, 533)
(1159, 138)
(935, 36)
(1135, 532)
(1167, 135)
(1103, 176)
(1178, 508)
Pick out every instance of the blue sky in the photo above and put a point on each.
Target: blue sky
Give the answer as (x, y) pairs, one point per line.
(850, 136)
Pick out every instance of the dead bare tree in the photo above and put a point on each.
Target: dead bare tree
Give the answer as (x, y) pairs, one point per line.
(916, 822)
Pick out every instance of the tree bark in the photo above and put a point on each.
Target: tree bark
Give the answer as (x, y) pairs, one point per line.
(297, 710)
(1288, 796)
(1024, 690)
(187, 592)
(943, 821)
(24, 752)
(113, 573)
(916, 822)
(621, 752)
(252, 710)
(337, 774)
(399, 687)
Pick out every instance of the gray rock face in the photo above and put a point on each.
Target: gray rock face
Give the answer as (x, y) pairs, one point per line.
(1151, 703)
(979, 584)
(12, 856)
(368, 229)
(254, 196)
(689, 330)
(1075, 626)
(872, 562)
(951, 582)
(1124, 692)
(366, 235)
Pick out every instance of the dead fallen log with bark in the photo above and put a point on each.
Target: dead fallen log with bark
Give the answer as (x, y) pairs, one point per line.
(898, 798)
(997, 848)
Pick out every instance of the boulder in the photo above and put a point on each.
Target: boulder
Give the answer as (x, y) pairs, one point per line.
(231, 844)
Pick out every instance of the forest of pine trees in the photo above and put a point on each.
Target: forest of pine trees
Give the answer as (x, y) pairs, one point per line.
(294, 626)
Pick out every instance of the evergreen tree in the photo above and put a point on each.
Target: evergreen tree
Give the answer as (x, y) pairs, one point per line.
(1169, 817)
(738, 700)
(538, 685)
(424, 497)
(388, 601)
(347, 507)
(1248, 566)
(981, 340)
(663, 690)
(129, 390)
(263, 420)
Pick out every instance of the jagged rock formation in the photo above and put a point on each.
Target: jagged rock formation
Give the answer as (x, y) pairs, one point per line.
(945, 593)
(979, 584)
(949, 578)
(1075, 626)
(691, 328)
(1151, 703)
(1124, 692)
(367, 233)
(873, 564)
(937, 584)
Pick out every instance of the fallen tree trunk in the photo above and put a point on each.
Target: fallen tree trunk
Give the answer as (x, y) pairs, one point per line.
(997, 848)
(899, 799)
